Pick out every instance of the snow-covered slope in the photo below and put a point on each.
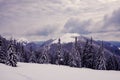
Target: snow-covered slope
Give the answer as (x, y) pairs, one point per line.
(30, 71)
(68, 37)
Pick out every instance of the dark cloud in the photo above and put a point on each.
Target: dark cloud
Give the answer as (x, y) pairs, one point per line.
(112, 23)
(55, 1)
(76, 26)
(45, 31)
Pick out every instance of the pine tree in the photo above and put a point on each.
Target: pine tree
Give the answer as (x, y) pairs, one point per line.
(110, 63)
(59, 53)
(76, 54)
(21, 53)
(44, 57)
(101, 64)
(88, 55)
(93, 54)
(116, 62)
(113, 63)
(0, 44)
(2, 54)
(32, 58)
(66, 57)
(72, 61)
(12, 57)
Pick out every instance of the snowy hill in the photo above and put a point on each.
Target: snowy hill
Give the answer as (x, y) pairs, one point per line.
(22, 40)
(67, 38)
(30, 71)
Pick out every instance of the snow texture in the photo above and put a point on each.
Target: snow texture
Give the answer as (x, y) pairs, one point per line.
(31, 71)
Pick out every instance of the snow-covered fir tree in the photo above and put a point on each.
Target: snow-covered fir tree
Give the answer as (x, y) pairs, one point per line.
(66, 57)
(20, 52)
(113, 63)
(44, 58)
(32, 58)
(88, 54)
(76, 55)
(92, 54)
(12, 57)
(116, 62)
(72, 61)
(110, 63)
(2, 54)
(59, 53)
(101, 60)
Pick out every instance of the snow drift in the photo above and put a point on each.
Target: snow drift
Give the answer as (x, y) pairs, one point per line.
(30, 71)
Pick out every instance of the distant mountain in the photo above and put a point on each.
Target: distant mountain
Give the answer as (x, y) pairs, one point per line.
(69, 38)
(112, 46)
(116, 43)
(36, 45)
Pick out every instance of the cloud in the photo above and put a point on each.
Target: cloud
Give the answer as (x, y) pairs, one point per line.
(44, 31)
(109, 23)
(112, 22)
(107, 1)
(108, 28)
(107, 36)
(74, 25)
(46, 18)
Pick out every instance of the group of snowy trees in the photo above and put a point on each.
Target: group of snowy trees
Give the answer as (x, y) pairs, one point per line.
(88, 56)
(8, 55)
(72, 54)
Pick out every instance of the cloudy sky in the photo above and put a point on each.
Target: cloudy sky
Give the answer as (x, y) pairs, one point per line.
(38, 20)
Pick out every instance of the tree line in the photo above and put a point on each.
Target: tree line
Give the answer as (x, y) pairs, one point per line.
(73, 54)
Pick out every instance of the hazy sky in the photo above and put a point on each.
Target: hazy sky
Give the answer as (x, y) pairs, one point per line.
(46, 19)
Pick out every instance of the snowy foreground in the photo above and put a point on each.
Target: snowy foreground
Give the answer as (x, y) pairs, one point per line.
(27, 71)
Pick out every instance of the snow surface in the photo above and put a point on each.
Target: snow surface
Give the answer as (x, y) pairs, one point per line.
(31, 71)
(66, 38)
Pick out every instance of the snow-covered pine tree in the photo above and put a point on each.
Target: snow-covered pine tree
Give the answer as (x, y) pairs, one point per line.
(32, 58)
(88, 54)
(24, 55)
(113, 63)
(0, 44)
(66, 57)
(110, 63)
(44, 57)
(2, 54)
(20, 52)
(12, 57)
(93, 54)
(76, 54)
(38, 56)
(72, 61)
(116, 62)
(59, 53)
(101, 58)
